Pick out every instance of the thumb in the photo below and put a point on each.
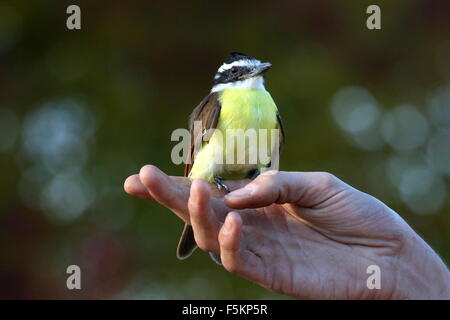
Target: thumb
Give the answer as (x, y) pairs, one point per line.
(306, 189)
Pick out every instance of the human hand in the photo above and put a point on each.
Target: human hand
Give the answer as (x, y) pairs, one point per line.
(304, 234)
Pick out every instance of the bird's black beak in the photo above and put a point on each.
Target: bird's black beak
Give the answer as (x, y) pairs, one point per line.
(257, 70)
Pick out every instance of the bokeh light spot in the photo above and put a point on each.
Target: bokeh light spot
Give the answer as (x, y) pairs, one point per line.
(439, 106)
(438, 151)
(66, 197)
(354, 109)
(55, 134)
(404, 128)
(422, 190)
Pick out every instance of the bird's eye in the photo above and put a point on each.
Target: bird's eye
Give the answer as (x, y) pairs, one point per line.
(234, 70)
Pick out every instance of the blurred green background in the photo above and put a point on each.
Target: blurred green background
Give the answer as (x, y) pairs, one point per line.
(82, 110)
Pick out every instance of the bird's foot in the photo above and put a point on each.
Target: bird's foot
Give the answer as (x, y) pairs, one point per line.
(219, 182)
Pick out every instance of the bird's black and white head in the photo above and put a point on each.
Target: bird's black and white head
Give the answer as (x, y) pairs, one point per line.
(241, 72)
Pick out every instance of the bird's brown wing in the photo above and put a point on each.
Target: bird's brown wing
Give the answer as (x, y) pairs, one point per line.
(207, 112)
(282, 132)
(282, 137)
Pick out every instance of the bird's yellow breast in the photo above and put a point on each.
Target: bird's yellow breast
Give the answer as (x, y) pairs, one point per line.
(245, 109)
(241, 109)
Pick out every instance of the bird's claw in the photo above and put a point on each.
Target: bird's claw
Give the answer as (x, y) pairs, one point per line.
(218, 181)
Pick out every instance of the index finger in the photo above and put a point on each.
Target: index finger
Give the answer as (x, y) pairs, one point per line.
(172, 191)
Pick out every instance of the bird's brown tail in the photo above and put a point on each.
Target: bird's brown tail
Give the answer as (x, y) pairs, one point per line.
(187, 243)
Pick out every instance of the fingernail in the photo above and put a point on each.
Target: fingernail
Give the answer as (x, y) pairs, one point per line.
(240, 193)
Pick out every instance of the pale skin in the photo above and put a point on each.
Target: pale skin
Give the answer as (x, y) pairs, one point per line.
(303, 234)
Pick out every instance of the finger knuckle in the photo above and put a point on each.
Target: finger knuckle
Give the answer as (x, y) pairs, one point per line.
(326, 179)
(231, 265)
(398, 239)
(146, 173)
(271, 176)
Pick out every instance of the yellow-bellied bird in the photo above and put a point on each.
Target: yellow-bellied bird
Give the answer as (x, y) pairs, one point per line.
(238, 100)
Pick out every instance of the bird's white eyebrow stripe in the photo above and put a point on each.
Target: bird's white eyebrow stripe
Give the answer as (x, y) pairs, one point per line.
(238, 63)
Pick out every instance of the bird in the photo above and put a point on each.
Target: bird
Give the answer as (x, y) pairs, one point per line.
(238, 100)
